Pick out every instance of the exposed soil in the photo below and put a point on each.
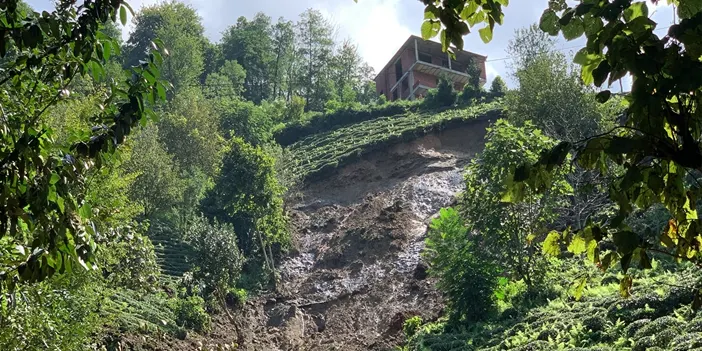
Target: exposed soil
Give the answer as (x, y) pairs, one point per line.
(357, 273)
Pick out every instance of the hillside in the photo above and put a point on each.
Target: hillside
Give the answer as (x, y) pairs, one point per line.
(316, 155)
(356, 277)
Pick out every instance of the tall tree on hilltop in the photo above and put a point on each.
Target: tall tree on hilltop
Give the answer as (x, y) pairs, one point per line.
(180, 28)
(251, 45)
(284, 46)
(316, 49)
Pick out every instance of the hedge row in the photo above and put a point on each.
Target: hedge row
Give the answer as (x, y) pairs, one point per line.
(321, 122)
(319, 155)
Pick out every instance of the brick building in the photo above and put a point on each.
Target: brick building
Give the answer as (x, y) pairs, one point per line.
(416, 67)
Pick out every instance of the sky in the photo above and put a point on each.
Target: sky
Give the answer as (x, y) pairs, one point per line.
(379, 27)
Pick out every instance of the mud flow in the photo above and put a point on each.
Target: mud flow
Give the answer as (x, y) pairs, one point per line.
(358, 273)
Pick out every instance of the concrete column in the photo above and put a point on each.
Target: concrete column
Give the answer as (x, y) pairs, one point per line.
(411, 84)
(416, 51)
(449, 59)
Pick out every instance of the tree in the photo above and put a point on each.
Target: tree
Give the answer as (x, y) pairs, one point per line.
(658, 144)
(250, 44)
(315, 51)
(528, 44)
(247, 195)
(217, 256)
(45, 220)
(552, 95)
(464, 276)
(443, 96)
(245, 120)
(228, 82)
(189, 132)
(158, 185)
(180, 28)
(510, 232)
(284, 50)
(498, 88)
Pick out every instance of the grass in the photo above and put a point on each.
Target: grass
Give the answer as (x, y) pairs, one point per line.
(171, 253)
(141, 312)
(658, 316)
(319, 154)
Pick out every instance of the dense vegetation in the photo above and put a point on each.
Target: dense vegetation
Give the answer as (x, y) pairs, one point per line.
(568, 186)
(143, 182)
(146, 204)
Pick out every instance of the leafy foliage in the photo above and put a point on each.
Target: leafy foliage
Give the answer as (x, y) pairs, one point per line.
(247, 195)
(656, 316)
(190, 313)
(217, 257)
(44, 221)
(321, 153)
(498, 87)
(510, 222)
(465, 277)
(443, 96)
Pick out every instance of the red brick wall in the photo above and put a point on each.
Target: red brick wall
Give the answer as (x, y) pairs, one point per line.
(386, 79)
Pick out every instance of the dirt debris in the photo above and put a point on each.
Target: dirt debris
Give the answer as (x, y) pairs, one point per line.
(357, 273)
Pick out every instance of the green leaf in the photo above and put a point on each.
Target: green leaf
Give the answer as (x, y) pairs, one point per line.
(61, 204)
(575, 29)
(485, 34)
(607, 260)
(551, 245)
(635, 10)
(578, 288)
(689, 8)
(626, 262)
(603, 96)
(54, 178)
(123, 15)
(549, 22)
(85, 211)
(469, 10)
(599, 75)
(626, 241)
(578, 245)
(427, 31)
(161, 91)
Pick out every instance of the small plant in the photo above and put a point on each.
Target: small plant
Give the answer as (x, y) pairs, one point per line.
(443, 96)
(190, 313)
(237, 297)
(411, 326)
(498, 87)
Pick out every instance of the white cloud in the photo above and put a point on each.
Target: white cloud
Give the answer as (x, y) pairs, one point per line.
(374, 25)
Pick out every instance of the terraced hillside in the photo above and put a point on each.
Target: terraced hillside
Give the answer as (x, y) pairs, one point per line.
(658, 316)
(317, 155)
(171, 253)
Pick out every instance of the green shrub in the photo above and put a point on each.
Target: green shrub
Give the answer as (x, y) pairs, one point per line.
(190, 313)
(53, 315)
(248, 196)
(411, 326)
(509, 227)
(217, 257)
(443, 96)
(237, 297)
(468, 281)
(498, 88)
(319, 123)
